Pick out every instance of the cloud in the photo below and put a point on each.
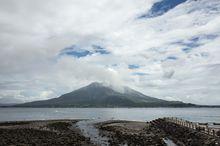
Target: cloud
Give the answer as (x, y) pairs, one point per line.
(169, 73)
(52, 47)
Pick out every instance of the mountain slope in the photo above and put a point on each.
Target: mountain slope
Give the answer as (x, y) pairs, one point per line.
(8, 101)
(98, 95)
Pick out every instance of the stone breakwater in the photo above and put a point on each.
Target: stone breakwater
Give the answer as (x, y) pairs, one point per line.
(185, 135)
(212, 129)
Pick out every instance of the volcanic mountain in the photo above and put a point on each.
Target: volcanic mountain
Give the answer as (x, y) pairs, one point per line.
(99, 95)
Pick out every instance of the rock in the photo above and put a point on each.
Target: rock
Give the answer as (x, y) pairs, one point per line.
(54, 133)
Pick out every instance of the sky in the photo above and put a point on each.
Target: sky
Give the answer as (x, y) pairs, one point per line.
(168, 49)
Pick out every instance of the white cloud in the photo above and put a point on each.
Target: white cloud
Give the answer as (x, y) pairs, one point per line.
(32, 34)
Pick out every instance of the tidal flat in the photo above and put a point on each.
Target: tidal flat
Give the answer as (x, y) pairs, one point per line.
(68, 132)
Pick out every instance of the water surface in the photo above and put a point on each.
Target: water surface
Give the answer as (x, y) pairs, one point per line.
(88, 129)
(134, 114)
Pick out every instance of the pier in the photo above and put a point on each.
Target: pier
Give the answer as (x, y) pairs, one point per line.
(212, 129)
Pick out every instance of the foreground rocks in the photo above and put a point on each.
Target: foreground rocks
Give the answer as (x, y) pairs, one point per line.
(154, 133)
(131, 133)
(41, 133)
(184, 136)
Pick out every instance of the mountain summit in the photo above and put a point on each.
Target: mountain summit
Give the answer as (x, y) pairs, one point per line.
(100, 95)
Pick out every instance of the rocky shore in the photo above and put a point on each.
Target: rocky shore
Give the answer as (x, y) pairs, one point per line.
(155, 133)
(42, 133)
(184, 136)
(131, 133)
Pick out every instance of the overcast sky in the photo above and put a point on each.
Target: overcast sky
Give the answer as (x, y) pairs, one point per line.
(164, 48)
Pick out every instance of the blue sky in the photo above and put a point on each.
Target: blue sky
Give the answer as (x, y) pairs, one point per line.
(167, 49)
(161, 7)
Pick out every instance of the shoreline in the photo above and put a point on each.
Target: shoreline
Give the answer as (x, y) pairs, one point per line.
(195, 106)
(92, 132)
(41, 132)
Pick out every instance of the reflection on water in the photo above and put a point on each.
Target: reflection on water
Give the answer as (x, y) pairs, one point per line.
(89, 130)
(135, 114)
(169, 142)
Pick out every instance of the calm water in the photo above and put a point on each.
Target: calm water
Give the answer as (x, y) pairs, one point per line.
(138, 114)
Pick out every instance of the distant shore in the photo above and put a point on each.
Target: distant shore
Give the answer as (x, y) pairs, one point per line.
(69, 132)
(190, 106)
